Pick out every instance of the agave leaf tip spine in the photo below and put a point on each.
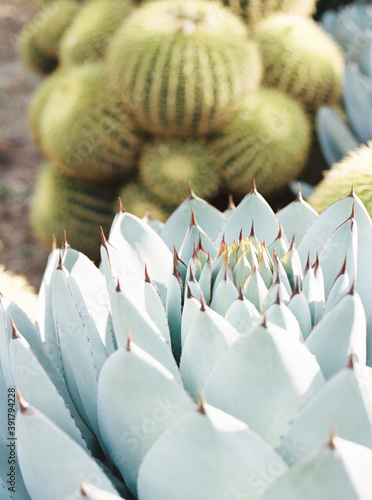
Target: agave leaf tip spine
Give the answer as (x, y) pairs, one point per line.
(23, 405)
(202, 404)
(15, 332)
(254, 187)
(129, 340)
(191, 192)
(147, 277)
(193, 220)
(231, 204)
(203, 304)
(54, 242)
(351, 361)
(299, 197)
(121, 208)
(331, 442)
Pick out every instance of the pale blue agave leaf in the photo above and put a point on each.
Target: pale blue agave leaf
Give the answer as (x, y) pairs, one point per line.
(280, 245)
(255, 289)
(358, 102)
(191, 307)
(342, 243)
(205, 281)
(155, 224)
(329, 22)
(44, 315)
(296, 218)
(340, 287)
(253, 208)
(264, 378)
(320, 232)
(339, 469)
(89, 492)
(95, 341)
(116, 268)
(292, 265)
(92, 287)
(225, 294)
(191, 241)
(313, 290)
(225, 269)
(299, 307)
(48, 354)
(39, 439)
(341, 332)
(208, 338)
(335, 138)
(265, 269)
(280, 315)
(242, 315)
(174, 313)
(345, 395)
(78, 364)
(276, 289)
(155, 309)
(365, 59)
(242, 271)
(39, 391)
(234, 454)
(138, 398)
(128, 316)
(208, 217)
(142, 246)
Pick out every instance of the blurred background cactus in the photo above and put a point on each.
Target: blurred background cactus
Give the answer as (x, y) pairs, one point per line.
(143, 97)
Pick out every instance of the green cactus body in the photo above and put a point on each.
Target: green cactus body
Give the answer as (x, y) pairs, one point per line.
(38, 102)
(254, 10)
(63, 203)
(83, 128)
(138, 201)
(181, 67)
(89, 34)
(267, 140)
(167, 167)
(353, 171)
(39, 40)
(300, 59)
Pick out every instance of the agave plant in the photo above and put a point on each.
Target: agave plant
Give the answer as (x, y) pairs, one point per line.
(350, 28)
(210, 357)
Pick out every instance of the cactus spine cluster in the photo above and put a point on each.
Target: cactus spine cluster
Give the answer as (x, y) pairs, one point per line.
(133, 76)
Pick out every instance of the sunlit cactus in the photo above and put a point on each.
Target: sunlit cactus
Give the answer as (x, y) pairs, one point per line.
(301, 59)
(268, 140)
(139, 201)
(254, 10)
(39, 40)
(167, 166)
(62, 203)
(87, 38)
(181, 67)
(353, 170)
(83, 128)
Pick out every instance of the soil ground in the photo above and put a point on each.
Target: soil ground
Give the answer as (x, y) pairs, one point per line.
(19, 158)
